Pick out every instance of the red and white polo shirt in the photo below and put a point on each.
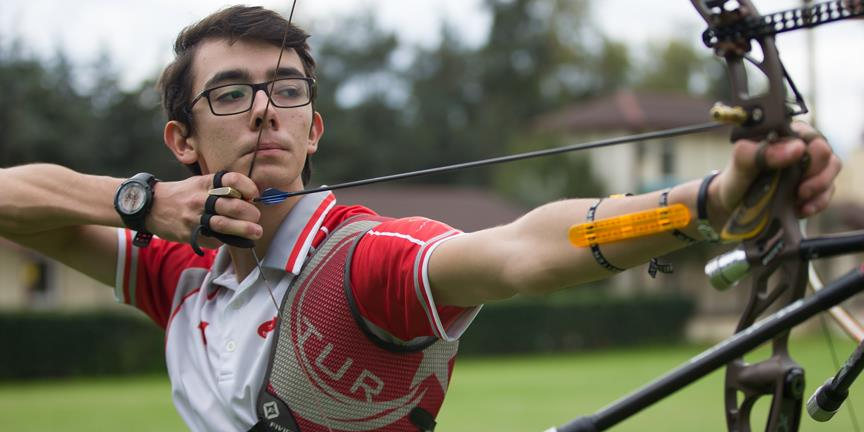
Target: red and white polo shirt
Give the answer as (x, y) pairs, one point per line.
(219, 331)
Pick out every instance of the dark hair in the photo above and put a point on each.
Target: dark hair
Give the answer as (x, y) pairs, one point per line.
(236, 23)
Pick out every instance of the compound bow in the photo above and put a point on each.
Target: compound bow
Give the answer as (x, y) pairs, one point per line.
(772, 256)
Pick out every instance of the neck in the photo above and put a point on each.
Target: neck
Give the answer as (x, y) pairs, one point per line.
(271, 218)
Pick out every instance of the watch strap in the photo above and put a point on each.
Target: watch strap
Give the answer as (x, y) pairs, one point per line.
(142, 239)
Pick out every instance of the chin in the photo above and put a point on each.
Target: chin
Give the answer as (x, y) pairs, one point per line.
(277, 179)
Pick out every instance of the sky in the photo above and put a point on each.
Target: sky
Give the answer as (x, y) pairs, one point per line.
(139, 34)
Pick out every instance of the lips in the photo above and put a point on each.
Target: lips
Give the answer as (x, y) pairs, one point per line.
(266, 146)
(269, 146)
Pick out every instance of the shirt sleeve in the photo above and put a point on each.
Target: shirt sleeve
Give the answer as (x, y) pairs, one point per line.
(147, 277)
(390, 281)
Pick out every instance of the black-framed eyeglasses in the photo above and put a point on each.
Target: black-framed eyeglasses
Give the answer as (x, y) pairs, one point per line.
(230, 99)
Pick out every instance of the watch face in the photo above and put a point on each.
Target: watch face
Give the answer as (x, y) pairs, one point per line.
(131, 198)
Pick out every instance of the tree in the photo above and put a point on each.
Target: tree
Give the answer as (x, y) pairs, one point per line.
(539, 58)
(676, 66)
(358, 95)
(42, 110)
(92, 126)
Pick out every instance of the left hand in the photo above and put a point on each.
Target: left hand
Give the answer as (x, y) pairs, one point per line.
(816, 187)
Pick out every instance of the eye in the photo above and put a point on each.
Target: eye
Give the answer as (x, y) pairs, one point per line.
(230, 94)
(290, 89)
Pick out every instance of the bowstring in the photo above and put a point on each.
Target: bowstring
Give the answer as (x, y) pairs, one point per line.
(261, 126)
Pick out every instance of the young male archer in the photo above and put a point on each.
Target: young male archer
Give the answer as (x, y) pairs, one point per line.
(370, 308)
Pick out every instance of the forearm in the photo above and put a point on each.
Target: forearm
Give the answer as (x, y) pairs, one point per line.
(554, 263)
(533, 255)
(42, 197)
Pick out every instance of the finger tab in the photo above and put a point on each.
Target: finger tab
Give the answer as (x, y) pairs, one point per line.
(217, 179)
(210, 204)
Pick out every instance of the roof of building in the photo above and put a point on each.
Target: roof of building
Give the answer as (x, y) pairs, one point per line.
(465, 208)
(636, 110)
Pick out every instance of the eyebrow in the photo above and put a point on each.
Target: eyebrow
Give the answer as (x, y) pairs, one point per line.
(242, 75)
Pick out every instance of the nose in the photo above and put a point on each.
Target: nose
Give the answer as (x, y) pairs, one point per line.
(263, 111)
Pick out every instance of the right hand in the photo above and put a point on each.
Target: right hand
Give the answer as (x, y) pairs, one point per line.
(178, 206)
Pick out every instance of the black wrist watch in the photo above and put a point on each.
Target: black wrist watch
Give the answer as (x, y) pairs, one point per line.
(133, 201)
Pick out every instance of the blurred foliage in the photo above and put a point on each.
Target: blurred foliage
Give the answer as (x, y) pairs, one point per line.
(92, 343)
(541, 180)
(99, 343)
(581, 324)
(50, 115)
(389, 106)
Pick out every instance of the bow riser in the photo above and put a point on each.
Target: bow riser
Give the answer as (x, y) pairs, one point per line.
(765, 223)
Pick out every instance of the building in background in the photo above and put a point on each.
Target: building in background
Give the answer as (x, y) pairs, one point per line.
(850, 184)
(29, 281)
(644, 166)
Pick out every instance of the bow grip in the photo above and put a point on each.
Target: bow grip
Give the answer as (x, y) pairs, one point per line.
(772, 193)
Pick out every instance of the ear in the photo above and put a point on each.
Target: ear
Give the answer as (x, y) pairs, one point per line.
(177, 140)
(316, 131)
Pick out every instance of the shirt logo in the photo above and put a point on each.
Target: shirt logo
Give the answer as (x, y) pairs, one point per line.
(266, 327)
(271, 411)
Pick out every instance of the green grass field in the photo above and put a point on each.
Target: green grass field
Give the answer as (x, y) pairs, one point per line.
(501, 394)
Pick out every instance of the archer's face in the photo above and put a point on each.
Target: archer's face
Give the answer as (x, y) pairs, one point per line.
(229, 142)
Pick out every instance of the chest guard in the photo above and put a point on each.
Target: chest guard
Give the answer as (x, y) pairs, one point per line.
(331, 370)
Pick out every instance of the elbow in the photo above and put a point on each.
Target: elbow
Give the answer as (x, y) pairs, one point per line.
(542, 277)
(537, 288)
(11, 220)
(533, 280)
